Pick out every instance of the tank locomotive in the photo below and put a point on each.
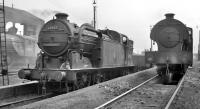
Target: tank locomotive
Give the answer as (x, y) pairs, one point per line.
(79, 56)
(175, 48)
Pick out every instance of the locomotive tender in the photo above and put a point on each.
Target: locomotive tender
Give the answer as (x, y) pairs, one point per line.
(175, 48)
(79, 56)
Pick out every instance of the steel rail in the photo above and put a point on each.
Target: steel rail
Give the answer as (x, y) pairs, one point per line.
(122, 95)
(175, 93)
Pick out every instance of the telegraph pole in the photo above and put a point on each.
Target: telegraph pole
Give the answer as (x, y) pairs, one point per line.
(94, 13)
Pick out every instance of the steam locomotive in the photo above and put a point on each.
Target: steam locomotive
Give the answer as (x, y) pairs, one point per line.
(79, 56)
(175, 48)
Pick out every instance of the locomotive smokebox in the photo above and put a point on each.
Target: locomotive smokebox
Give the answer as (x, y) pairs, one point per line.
(169, 15)
(55, 36)
(61, 16)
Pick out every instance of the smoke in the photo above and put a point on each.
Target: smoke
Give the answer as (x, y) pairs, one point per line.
(44, 14)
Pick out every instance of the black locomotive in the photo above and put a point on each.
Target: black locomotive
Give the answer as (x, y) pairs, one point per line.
(79, 56)
(175, 48)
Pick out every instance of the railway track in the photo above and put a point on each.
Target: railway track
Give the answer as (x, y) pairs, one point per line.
(124, 94)
(145, 95)
(25, 101)
(175, 92)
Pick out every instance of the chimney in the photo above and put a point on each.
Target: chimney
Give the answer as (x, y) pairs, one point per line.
(61, 16)
(169, 15)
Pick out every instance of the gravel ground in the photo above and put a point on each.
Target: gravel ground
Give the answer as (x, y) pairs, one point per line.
(189, 95)
(93, 96)
(153, 95)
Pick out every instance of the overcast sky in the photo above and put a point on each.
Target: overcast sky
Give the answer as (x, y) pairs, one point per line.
(130, 17)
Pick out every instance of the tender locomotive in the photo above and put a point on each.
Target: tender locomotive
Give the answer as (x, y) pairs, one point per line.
(79, 56)
(175, 48)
